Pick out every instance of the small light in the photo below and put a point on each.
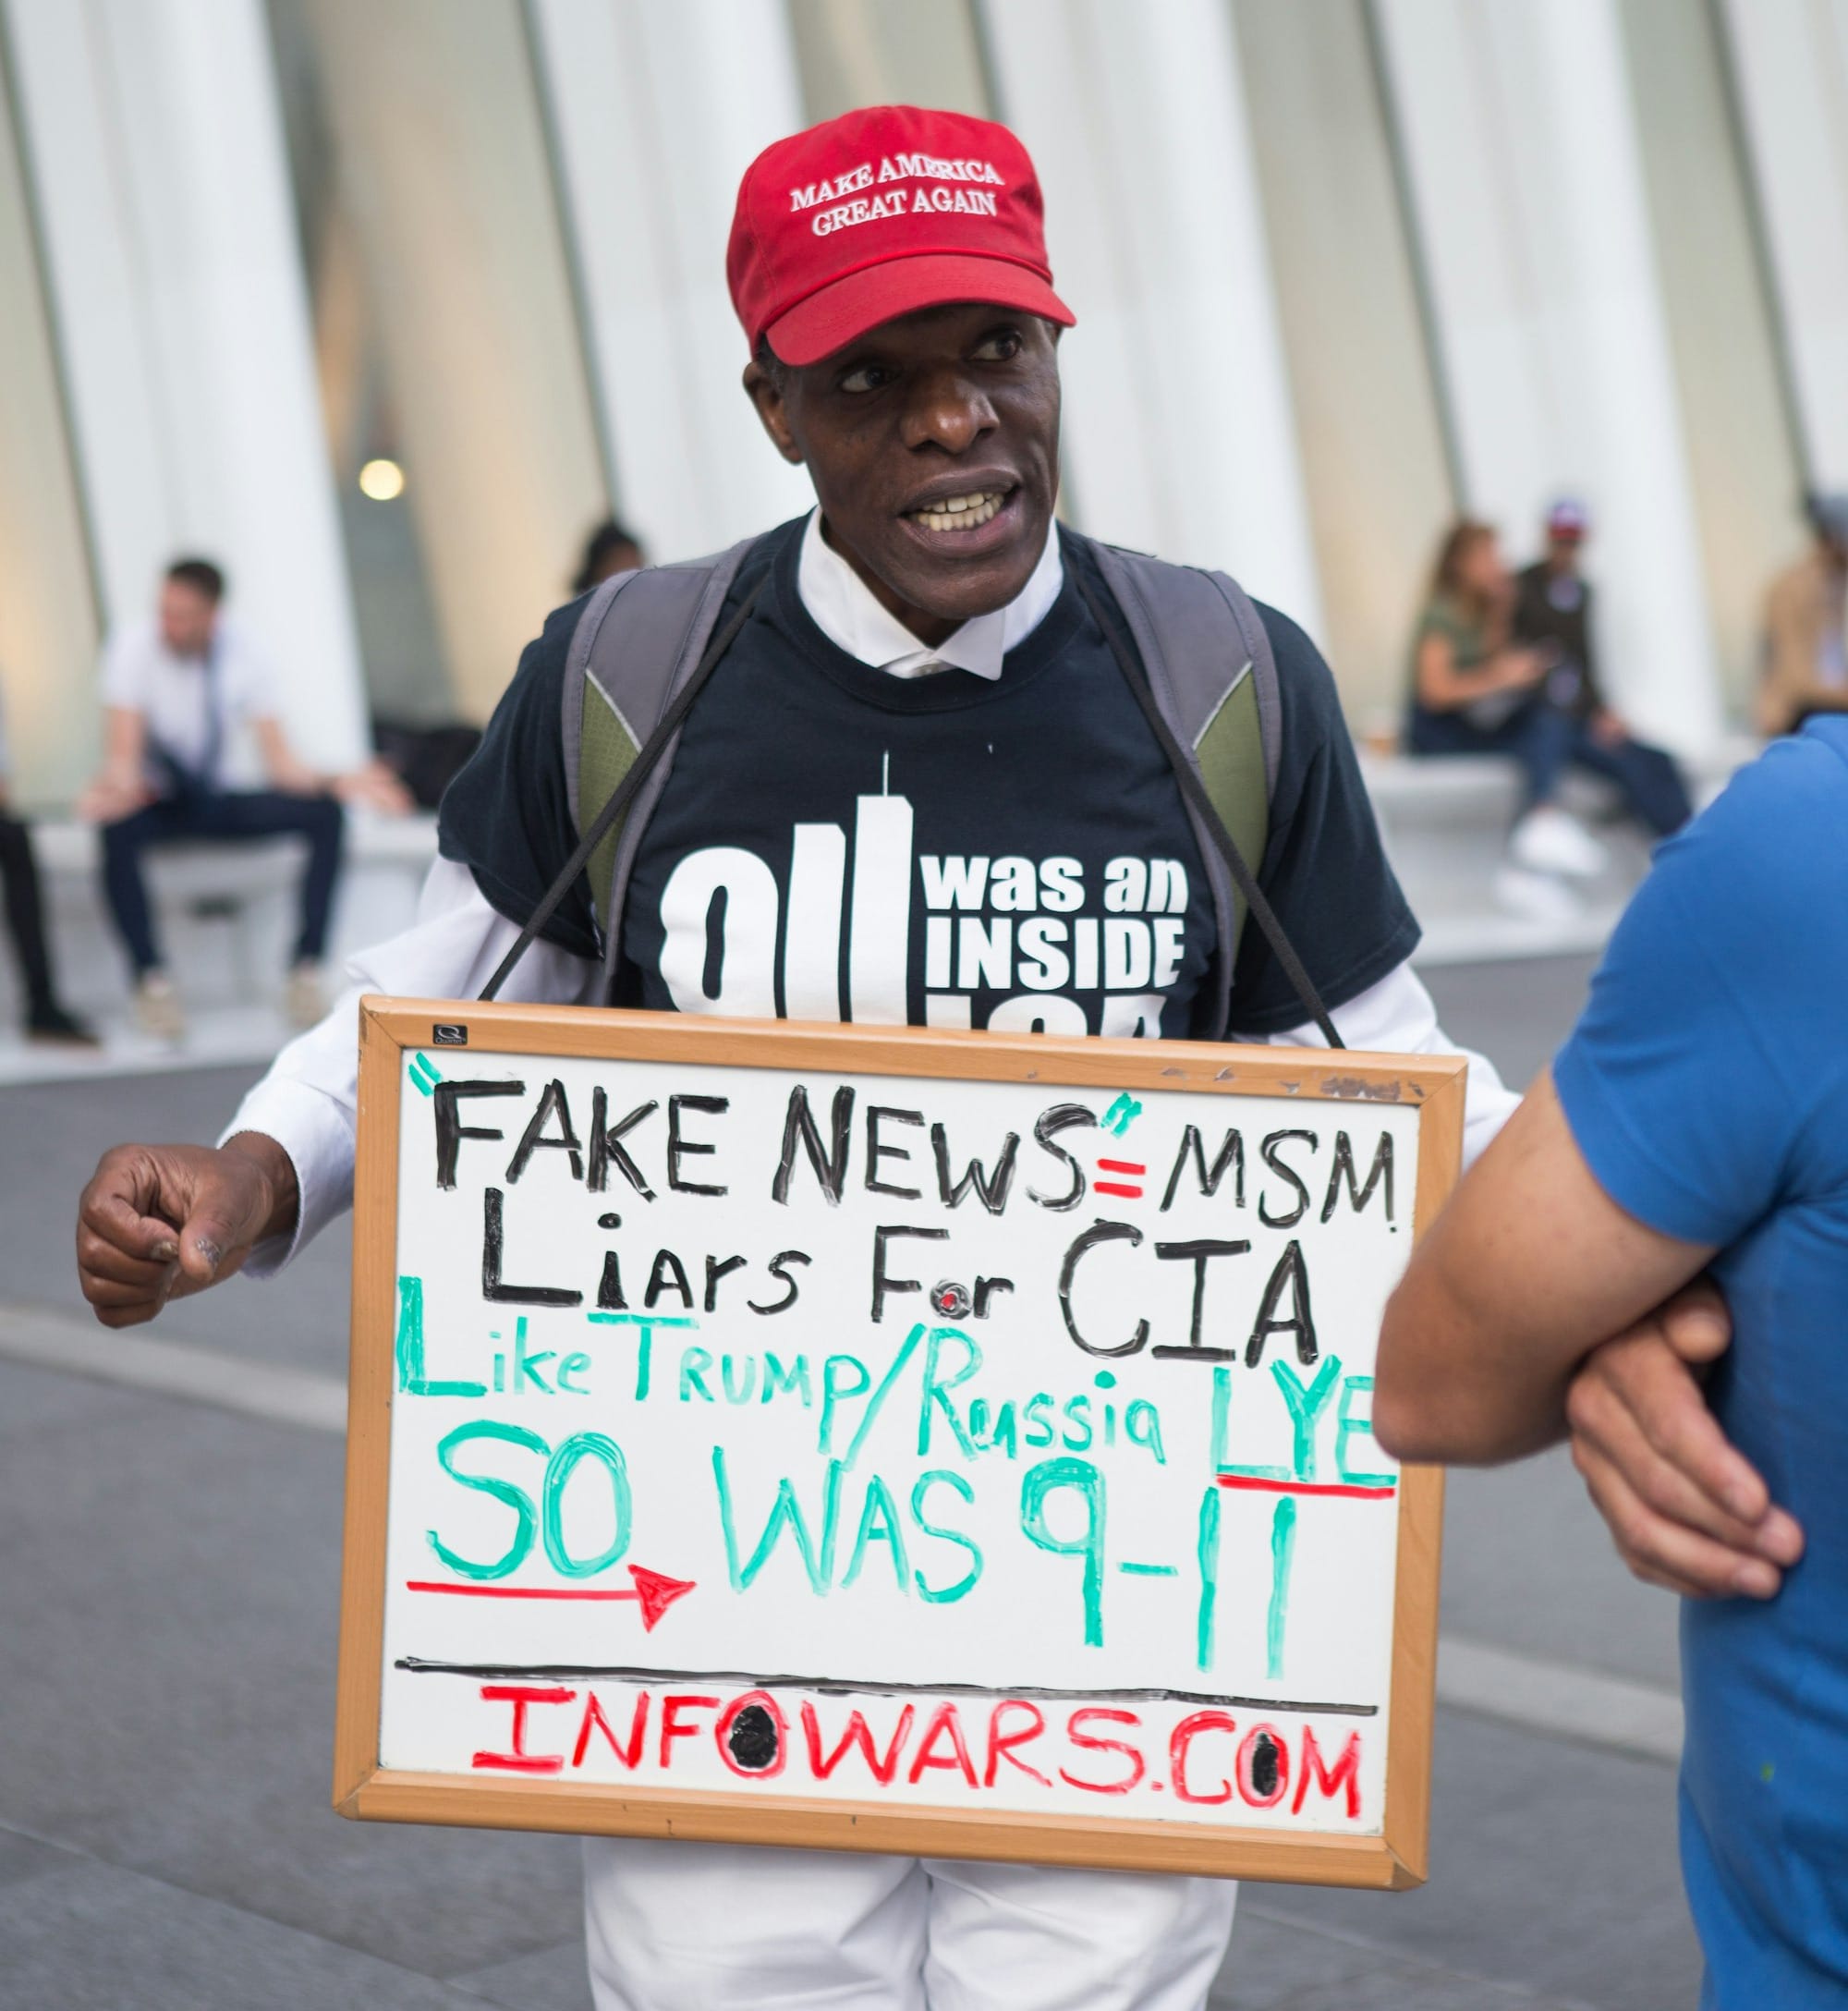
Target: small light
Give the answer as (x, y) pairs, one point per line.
(384, 480)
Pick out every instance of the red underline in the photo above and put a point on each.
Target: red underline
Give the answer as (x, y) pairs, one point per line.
(509, 1592)
(1113, 1186)
(1306, 1487)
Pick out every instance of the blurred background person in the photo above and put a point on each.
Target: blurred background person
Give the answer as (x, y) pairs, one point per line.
(1475, 690)
(185, 697)
(1806, 655)
(1552, 613)
(610, 549)
(46, 1020)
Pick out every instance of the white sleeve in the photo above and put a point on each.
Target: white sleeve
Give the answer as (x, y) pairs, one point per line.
(1398, 1016)
(250, 689)
(308, 1100)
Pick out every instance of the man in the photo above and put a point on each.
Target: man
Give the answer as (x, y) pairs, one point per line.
(181, 695)
(1698, 1116)
(47, 1020)
(925, 634)
(1806, 620)
(1552, 611)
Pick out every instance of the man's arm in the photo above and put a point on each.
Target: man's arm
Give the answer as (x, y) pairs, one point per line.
(159, 1221)
(281, 766)
(1525, 1272)
(116, 789)
(1497, 1342)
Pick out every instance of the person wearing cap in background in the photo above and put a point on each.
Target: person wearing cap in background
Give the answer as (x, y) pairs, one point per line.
(927, 637)
(1806, 653)
(1552, 611)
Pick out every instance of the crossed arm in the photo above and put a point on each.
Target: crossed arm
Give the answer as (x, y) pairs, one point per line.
(1498, 1341)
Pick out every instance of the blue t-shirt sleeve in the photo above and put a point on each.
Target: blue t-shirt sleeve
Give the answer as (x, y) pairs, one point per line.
(1707, 1040)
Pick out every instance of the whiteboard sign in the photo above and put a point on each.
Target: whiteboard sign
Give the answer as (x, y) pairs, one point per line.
(890, 1440)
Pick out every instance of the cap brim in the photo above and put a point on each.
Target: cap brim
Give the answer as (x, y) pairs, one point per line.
(844, 312)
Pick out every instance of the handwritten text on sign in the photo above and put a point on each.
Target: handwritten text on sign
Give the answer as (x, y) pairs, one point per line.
(979, 1444)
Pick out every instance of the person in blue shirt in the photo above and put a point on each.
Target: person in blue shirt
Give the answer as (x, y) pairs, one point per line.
(1697, 1119)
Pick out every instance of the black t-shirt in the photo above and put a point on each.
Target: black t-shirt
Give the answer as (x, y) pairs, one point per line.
(837, 843)
(1547, 610)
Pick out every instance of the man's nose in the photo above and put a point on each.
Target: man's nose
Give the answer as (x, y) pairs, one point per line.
(949, 410)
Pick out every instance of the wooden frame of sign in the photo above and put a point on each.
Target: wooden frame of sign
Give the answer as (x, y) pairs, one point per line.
(1386, 1849)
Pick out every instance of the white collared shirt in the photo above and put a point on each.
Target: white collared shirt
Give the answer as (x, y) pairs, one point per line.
(176, 696)
(847, 612)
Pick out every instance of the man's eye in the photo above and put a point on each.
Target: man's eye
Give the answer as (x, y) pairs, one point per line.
(867, 377)
(1000, 347)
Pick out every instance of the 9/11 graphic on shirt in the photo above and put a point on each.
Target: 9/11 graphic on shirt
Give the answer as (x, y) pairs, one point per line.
(1029, 934)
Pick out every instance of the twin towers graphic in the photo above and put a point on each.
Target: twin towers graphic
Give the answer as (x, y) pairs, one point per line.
(730, 932)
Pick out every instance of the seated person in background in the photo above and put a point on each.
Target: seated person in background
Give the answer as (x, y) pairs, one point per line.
(1697, 1116)
(1805, 652)
(1552, 608)
(179, 692)
(1475, 691)
(46, 1019)
(610, 549)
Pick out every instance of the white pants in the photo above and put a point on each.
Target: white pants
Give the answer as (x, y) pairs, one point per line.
(711, 1927)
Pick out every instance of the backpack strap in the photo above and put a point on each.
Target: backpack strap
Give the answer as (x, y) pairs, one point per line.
(1214, 675)
(638, 641)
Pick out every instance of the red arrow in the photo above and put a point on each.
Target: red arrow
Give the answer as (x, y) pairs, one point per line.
(652, 1591)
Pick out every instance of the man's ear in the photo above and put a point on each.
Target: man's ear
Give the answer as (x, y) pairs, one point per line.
(766, 393)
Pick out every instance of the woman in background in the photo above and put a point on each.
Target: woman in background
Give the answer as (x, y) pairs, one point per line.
(1475, 691)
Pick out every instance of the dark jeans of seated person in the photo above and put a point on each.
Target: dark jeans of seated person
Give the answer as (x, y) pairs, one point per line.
(26, 925)
(204, 817)
(1544, 741)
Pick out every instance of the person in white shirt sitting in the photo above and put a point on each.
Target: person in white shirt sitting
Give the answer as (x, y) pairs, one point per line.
(186, 696)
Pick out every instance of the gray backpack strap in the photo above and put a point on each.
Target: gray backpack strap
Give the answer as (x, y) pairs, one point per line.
(637, 642)
(1209, 665)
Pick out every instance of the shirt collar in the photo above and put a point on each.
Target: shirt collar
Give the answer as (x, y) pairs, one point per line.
(843, 608)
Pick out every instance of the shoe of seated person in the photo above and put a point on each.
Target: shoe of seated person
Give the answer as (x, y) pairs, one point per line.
(51, 1026)
(1535, 897)
(1550, 840)
(157, 1007)
(305, 997)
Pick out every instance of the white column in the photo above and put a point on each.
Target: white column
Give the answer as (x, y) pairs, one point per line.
(1178, 424)
(47, 615)
(154, 137)
(1790, 62)
(657, 111)
(443, 159)
(1528, 189)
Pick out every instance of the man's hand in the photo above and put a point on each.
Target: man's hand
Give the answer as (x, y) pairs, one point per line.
(157, 1222)
(1608, 728)
(111, 795)
(1686, 1510)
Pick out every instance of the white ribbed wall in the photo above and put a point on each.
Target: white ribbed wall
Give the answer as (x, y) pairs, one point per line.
(155, 142)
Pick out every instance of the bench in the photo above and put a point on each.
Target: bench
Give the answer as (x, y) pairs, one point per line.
(227, 913)
(1445, 822)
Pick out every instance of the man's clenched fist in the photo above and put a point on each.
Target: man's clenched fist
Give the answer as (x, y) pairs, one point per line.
(157, 1222)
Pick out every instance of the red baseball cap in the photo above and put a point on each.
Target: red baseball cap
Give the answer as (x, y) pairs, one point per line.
(879, 212)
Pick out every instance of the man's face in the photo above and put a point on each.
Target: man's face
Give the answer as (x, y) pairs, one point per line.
(950, 405)
(188, 617)
(1563, 552)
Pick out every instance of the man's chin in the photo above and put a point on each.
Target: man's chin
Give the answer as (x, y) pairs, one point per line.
(957, 575)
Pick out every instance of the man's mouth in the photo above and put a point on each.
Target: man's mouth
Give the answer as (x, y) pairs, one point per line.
(960, 512)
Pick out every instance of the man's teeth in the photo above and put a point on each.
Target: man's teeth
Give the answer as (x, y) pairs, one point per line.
(960, 512)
